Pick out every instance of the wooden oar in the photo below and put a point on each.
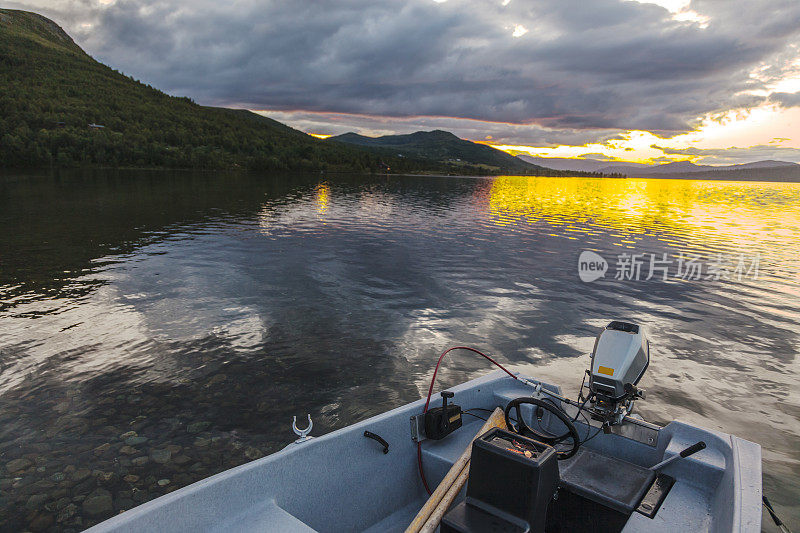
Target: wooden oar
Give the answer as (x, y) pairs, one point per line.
(438, 513)
(453, 482)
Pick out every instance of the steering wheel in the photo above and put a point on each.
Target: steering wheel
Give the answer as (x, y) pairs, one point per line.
(522, 429)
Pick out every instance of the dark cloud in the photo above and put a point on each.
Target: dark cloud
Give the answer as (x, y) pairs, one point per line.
(496, 132)
(582, 66)
(785, 99)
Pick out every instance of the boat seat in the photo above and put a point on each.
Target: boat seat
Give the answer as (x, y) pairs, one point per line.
(606, 480)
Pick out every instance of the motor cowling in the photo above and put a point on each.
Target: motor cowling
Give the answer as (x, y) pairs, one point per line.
(620, 357)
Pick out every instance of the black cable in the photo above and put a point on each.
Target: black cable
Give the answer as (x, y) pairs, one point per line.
(580, 413)
(581, 407)
(480, 409)
(599, 430)
(588, 425)
(539, 423)
(583, 382)
(544, 431)
(476, 416)
(557, 438)
(772, 514)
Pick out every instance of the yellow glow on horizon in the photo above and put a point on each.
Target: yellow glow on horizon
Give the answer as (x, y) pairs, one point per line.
(635, 146)
(767, 124)
(763, 125)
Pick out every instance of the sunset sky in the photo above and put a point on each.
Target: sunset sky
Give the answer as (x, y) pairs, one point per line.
(714, 81)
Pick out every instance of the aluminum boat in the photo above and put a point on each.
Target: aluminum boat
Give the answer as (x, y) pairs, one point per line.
(548, 463)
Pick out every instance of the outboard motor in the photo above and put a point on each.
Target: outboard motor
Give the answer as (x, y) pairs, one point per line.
(620, 357)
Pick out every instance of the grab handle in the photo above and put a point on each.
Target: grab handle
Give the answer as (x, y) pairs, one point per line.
(694, 448)
(373, 436)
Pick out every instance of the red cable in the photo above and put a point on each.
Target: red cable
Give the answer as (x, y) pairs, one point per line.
(421, 473)
(430, 392)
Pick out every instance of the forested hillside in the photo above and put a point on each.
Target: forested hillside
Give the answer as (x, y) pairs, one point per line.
(51, 92)
(442, 146)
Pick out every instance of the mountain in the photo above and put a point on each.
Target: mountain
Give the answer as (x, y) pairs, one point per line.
(687, 167)
(629, 169)
(789, 172)
(766, 169)
(767, 163)
(676, 166)
(444, 147)
(585, 165)
(60, 107)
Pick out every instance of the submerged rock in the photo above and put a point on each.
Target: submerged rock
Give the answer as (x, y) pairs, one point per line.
(35, 501)
(42, 522)
(123, 504)
(61, 503)
(67, 512)
(141, 496)
(173, 448)
(253, 453)
(81, 474)
(197, 427)
(18, 464)
(181, 459)
(135, 440)
(104, 477)
(140, 461)
(160, 456)
(128, 450)
(98, 503)
(163, 482)
(100, 450)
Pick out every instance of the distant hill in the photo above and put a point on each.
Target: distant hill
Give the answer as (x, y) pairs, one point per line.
(758, 170)
(51, 91)
(585, 165)
(789, 172)
(445, 147)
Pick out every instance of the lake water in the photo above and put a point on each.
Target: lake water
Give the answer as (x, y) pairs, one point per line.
(202, 311)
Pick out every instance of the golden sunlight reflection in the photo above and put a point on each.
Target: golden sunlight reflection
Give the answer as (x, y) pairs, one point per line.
(720, 216)
(323, 197)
